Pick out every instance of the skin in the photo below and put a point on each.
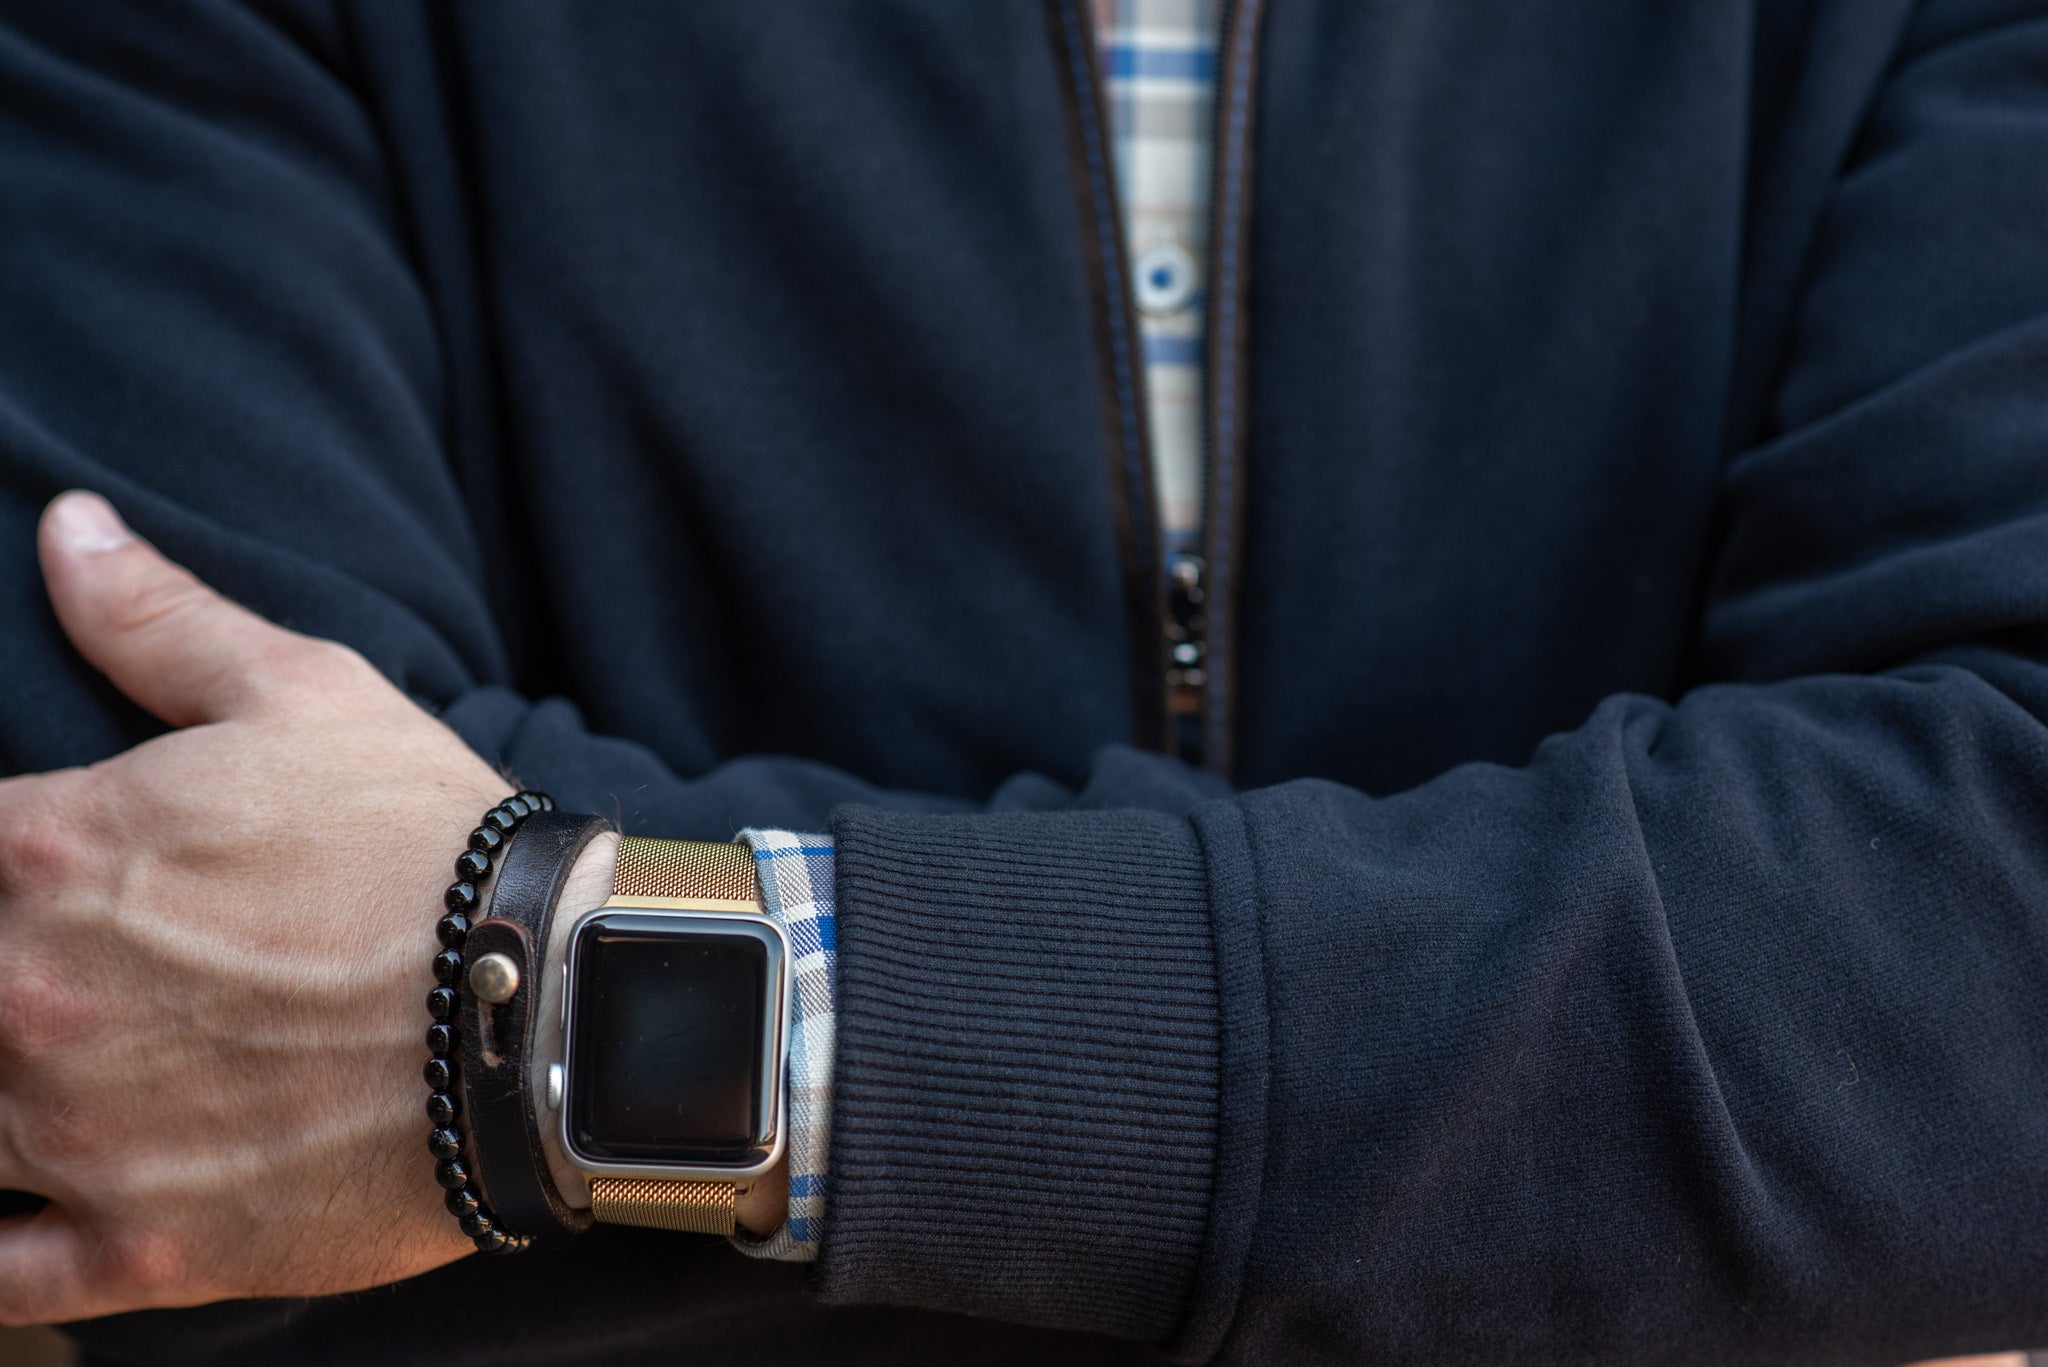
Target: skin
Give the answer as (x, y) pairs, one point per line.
(213, 956)
(213, 960)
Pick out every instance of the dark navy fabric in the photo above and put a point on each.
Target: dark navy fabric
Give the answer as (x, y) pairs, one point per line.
(1624, 934)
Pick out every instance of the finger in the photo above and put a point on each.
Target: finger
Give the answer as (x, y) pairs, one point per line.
(45, 1270)
(22, 1190)
(164, 638)
(55, 1267)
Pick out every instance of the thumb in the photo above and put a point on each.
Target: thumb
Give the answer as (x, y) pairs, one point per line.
(165, 639)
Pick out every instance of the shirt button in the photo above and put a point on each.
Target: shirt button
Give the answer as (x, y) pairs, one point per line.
(1165, 277)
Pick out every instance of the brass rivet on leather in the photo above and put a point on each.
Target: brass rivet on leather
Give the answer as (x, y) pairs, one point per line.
(494, 978)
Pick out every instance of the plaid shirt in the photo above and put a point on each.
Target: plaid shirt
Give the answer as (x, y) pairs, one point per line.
(1159, 60)
(1159, 67)
(797, 886)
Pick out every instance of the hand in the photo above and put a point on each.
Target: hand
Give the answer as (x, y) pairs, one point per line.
(213, 959)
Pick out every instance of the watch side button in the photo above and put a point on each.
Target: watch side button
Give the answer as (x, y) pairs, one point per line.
(555, 1086)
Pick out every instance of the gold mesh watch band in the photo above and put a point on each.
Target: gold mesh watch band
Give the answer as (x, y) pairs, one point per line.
(709, 877)
(691, 1207)
(689, 869)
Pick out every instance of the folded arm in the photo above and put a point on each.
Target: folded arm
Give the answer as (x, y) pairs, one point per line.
(1715, 1030)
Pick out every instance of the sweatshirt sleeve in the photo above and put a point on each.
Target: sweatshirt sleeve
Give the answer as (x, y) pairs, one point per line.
(210, 314)
(1716, 1032)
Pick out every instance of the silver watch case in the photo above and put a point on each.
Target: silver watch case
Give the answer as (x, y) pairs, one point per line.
(679, 913)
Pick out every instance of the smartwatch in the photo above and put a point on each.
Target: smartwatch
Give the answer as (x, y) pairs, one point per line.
(675, 1021)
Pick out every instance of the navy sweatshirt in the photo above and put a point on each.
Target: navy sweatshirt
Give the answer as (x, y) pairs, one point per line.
(1602, 915)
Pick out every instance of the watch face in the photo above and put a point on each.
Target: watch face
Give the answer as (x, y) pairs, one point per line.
(671, 1023)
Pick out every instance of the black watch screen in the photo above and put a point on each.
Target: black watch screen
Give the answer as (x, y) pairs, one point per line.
(671, 1021)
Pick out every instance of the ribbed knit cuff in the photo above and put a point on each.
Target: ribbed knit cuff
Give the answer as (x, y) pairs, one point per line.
(1026, 1083)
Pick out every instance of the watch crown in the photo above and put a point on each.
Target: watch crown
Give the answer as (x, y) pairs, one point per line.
(494, 978)
(555, 1083)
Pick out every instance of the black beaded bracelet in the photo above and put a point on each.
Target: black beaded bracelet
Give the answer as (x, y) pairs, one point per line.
(445, 1141)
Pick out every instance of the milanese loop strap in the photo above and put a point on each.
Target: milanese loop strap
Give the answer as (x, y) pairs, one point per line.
(712, 877)
(686, 868)
(689, 1207)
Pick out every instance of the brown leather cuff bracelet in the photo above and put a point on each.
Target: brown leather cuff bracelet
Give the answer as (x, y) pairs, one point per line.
(505, 953)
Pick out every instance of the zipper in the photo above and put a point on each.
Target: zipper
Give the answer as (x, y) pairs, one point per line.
(1212, 576)
(1187, 653)
(1128, 438)
(1183, 679)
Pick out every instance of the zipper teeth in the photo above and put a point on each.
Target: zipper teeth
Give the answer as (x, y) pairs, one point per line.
(1230, 126)
(1077, 21)
(1191, 598)
(1187, 649)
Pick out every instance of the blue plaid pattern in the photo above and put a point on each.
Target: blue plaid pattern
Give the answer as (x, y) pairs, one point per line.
(797, 889)
(1159, 73)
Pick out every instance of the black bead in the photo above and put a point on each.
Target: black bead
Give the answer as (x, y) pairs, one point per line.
(472, 866)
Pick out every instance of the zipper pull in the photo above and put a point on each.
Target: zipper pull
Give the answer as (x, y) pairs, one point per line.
(1187, 650)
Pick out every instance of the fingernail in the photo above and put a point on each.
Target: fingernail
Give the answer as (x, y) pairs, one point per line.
(88, 524)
